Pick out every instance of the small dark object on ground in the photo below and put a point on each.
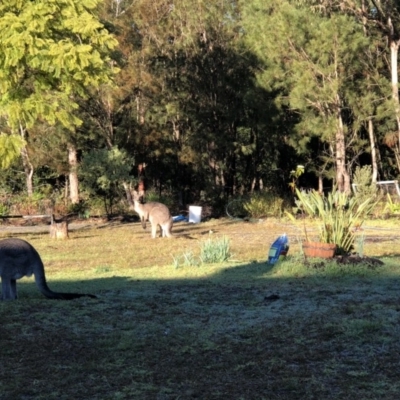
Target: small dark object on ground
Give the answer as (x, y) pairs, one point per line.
(272, 297)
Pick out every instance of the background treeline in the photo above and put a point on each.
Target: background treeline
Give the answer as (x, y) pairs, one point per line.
(200, 101)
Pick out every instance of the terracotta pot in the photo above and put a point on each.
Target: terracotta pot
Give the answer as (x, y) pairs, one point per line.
(320, 250)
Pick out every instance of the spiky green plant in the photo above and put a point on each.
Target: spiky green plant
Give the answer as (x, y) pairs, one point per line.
(338, 213)
(215, 250)
(391, 206)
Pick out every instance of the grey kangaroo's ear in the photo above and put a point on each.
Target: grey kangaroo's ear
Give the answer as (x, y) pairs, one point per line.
(141, 196)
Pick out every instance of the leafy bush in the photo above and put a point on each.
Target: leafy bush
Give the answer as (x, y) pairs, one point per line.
(4, 204)
(90, 206)
(38, 203)
(82, 209)
(364, 187)
(10, 149)
(263, 204)
(102, 171)
(235, 208)
(165, 198)
(4, 210)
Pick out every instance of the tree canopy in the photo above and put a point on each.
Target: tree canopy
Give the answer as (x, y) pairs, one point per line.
(50, 53)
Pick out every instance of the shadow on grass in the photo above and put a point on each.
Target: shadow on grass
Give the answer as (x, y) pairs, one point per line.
(240, 333)
(247, 331)
(241, 275)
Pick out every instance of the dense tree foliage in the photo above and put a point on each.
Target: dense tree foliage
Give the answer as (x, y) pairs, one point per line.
(50, 53)
(212, 99)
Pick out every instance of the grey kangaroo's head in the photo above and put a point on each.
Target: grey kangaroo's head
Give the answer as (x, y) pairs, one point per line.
(138, 196)
(137, 200)
(19, 258)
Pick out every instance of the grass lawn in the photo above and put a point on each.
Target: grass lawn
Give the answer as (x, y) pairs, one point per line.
(240, 330)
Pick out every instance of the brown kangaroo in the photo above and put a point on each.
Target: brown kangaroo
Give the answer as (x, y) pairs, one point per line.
(157, 213)
(18, 258)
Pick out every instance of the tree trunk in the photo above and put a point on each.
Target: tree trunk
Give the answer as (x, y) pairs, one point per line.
(73, 176)
(320, 184)
(342, 175)
(128, 192)
(28, 169)
(26, 162)
(374, 151)
(394, 50)
(66, 191)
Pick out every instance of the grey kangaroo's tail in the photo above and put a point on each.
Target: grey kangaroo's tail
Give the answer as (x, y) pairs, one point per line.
(68, 296)
(47, 292)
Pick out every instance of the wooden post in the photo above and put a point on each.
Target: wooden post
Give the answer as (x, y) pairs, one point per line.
(58, 230)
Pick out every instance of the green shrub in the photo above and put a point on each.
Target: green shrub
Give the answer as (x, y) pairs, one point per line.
(103, 171)
(82, 209)
(391, 207)
(38, 203)
(235, 208)
(263, 204)
(186, 259)
(212, 251)
(215, 250)
(153, 195)
(364, 187)
(4, 209)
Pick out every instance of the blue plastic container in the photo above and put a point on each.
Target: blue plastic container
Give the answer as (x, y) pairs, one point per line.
(179, 218)
(278, 249)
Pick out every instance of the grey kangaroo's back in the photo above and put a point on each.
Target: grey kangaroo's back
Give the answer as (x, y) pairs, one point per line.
(145, 209)
(157, 213)
(18, 258)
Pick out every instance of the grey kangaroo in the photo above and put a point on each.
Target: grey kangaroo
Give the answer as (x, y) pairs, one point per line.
(157, 213)
(18, 258)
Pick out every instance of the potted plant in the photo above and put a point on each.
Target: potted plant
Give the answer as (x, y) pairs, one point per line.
(338, 213)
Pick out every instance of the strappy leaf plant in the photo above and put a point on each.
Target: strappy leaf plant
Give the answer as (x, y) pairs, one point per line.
(339, 213)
